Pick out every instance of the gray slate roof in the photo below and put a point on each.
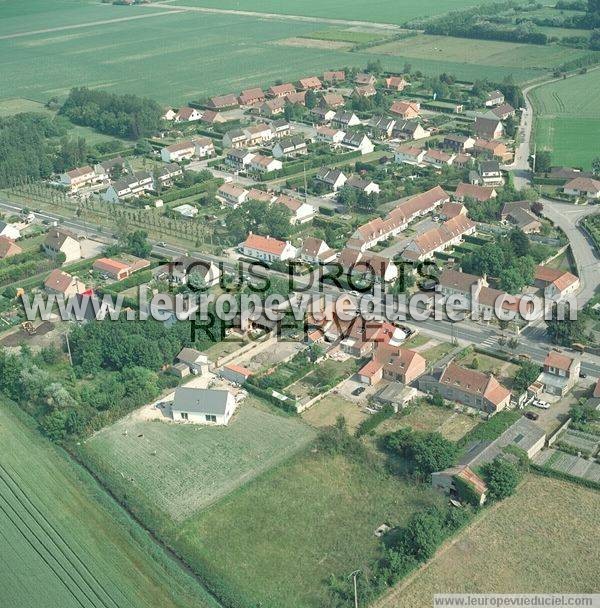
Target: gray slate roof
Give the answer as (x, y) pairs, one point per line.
(200, 400)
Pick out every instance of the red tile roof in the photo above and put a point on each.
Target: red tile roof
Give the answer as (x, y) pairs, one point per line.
(265, 243)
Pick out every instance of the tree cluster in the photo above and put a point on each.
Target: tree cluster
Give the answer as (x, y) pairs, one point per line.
(127, 116)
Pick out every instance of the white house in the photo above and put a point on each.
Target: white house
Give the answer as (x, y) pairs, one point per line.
(60, 241)
(333, 178)
(362, 185)
(186, 114)
(267, 248)
(358, 141)
(194, 359)
(316, 250)
(239, 158)
(203, 405)
(177, 152)
(183, 267)
(204, 147)
(265, 164)
(78, 178)
(232, 195)
(583, 186)
(333, 137)
(301, 212)
(290, 146)
(129, 186)
(346, 119)
(409, 155)
(10, 231)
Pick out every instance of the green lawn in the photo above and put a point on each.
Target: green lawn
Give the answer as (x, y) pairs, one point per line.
(480, 52)
(568, 119)
(275, 541)
(211, 53)
(65, 543)
(174, 470)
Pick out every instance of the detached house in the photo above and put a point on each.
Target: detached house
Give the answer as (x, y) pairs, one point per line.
(264, 164)
(63, 283)
(557, 284)
(395, 83)
(458, 143)
(382, 127)
(232, 195)
(334, 137)
(60, 241)
(290, 146)
(129, 186)
(203, 405)
(9, 231)
(316, 251)
(281, 90)
(468, 386)
(406, 109)
(364, 79)
(393, 364)
(503, 111)
(583, 186)
(239, 158)
(495, 98)
(438, 158)
(8, 248)
(200, 147)
(223, 102)
(364, 186)
(267, 248)
(478, 193)
(560, 374)
(251, 97)
(333, 77)
(410, 129)
(334, 179)
(359, 142)
(187, 115)
(409, 155)
(301, 212)
(310, 83)
(273, 107)
(488, 128)
(331, 100)
(345, 119)
(78, 178)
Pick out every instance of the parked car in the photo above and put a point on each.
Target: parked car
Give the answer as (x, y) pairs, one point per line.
(543, 405)
(358, 391)
(582, 375)
(531, 415)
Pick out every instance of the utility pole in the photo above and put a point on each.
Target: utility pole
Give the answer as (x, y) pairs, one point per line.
(354, 575)
(69, 349)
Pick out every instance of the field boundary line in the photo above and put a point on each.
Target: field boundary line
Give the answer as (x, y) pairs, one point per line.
(75, 26)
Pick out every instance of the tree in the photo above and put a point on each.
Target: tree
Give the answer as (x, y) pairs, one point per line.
(526, 374)
(423, 534)
(596, 166)
(520, 242)
(566, 331)
(543, 161)
(501, 477)
(426, 452)
(137, 244)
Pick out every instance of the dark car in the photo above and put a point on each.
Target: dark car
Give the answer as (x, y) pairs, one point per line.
(582, 375)
(358, 391)
(531, 415)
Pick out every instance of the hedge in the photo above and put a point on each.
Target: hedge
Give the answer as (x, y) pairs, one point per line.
(548, 472)
(289, 406)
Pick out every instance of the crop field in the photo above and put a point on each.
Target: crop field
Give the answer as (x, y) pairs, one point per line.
(382, 11)
(180, 468)
(349, 35)
(568, 119)
(480, 52)
(290, 529)
(210, 53)
(556, 524)
(59, 529)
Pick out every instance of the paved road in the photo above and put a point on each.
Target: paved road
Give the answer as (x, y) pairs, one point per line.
(568, 217)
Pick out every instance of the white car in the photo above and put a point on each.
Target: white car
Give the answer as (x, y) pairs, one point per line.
(543, 405)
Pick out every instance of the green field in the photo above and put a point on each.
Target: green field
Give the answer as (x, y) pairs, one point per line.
(568, 119)
(480, 52)
(64, 543)
(382, 11)
(356, 36)
(544, 539)
(176, 57)
(289, 530)
(193, 465)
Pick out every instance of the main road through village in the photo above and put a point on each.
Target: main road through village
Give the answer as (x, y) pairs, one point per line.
(533, 341)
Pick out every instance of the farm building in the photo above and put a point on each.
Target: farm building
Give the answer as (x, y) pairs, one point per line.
(235, 373)
(194, 359)
(203, 405)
